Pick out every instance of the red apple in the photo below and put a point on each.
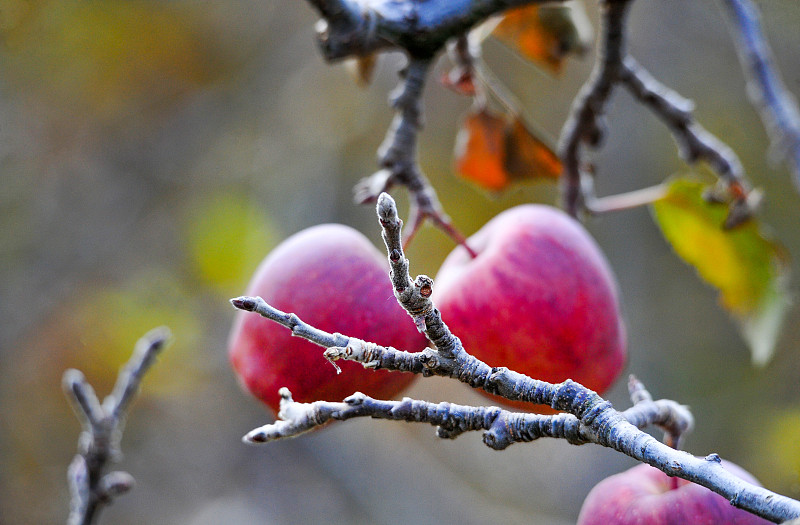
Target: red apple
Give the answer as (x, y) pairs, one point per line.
(539, 298)
(334, 279)
(644, 495)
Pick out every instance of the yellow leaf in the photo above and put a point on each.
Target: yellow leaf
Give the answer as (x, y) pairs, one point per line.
(749, 270)
(227, 236)
(545, 35)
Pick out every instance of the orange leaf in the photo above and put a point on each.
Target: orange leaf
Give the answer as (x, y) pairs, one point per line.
(480, 150)
(528, 157)
(545, 35)
(494, 150)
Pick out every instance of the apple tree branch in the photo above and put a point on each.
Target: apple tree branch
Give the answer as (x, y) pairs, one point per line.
(398, 156)
(586, 127)
(586, 417)
(777, 106)
(422, 29)
(91, 487)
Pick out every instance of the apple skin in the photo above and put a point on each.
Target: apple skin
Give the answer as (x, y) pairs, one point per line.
(539, 298)
(644, 495)
(334, 279)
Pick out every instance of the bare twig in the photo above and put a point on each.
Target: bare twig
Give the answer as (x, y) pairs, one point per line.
(90, 487)
(777, 106)
(585, 127)
(398, 157)
(676, 420)
(585, 124)
(695, 143)
(592, 420)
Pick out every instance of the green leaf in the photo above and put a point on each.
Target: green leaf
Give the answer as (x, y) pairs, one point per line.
(749, 269)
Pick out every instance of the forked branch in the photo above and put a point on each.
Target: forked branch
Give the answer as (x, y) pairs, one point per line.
(586, 127)
(398, 156)
(777, 106)
(91, 487)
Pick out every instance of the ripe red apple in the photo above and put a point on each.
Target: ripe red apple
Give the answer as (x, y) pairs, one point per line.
(539, 298)
(334, 279)
(644, 495)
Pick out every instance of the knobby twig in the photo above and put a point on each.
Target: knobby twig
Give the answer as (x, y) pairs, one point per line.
(588, 419)
(502, 427)
(586, 127)
(398, 157)
(102, 424)
(585, 124)
(421, 29)
(776, 105)
(694, 142)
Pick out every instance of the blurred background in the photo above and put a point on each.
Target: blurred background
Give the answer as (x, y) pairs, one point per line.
(151, 154)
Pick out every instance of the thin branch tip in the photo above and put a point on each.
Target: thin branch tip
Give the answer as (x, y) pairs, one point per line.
(157, 338)
(248, 304)
(71, 379)
(386, 207)
(255, 437)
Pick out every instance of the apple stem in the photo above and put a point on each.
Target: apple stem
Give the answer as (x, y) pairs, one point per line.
(673, 483)
(454, 234)
(621, 201)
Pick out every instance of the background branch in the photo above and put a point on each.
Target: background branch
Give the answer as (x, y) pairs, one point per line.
(359, 27)
(776, 105)
(398, 156)
(695, 143)
(90, 487)
(585, 123)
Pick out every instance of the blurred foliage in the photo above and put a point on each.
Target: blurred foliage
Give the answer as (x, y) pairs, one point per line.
(546, 35)
(99, 332)
(104, 58)
(748, 269)
(227, 237)
(782, 431)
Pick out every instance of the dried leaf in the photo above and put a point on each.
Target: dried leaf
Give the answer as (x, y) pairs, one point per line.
(496, 150)
(362, 69)
(545, 35)
(480, 150)
(749, 270)
(527, 156)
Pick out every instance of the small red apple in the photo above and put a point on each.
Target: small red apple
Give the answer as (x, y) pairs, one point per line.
(334, 279)
(644, 495)
(539, 298)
